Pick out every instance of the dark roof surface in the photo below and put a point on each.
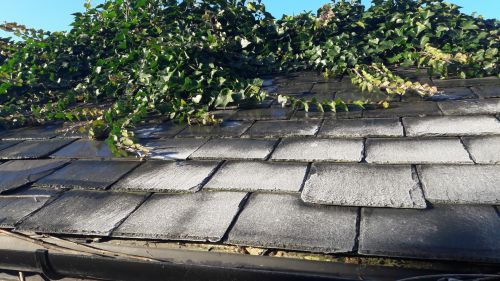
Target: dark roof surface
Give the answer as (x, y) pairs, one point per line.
(418, 180)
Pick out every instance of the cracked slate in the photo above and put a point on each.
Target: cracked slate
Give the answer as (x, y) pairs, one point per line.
(33, 133)
(277, 129)
(15, 174)
(85, 148)
(172, 149)
(403, 109)
(84, 174)
(227, 129)
(487, 91)
(83, 212)
(283, 221)
(362, 185)
(32, 149)
(453, 94)
(231, 149)
(378, 127)
(452, 232)
(484, 150)
(461, 184)
(470, 107)
(258, 176)
(14, 209)
(202, 216)
(416, 151)
(163, 176)
(451, 126)
(263, 114)
(328, 150)
(7, 143)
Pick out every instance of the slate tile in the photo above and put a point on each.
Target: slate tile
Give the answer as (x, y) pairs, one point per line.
(462, 184)
(172, 149)
(416, 151)
(353, 94)
(297, 88)
(272, 113)
(231, 149)
(470, 107)
(7, 143)
(227, 129)
(351, 114)
(378, 127)
(85, 174)
(83, 213)
(451, 232)
(15, 207)
(363, 185)
(202, 216)
(405, 110)
(449, 83)
(318, 150)
(483, 150)
(165, 130)
(85, 149)
(451, 126)
(224, 114)
(15, 174)
(325, 91)
(33, 133)
(277, 129)
(452, 94)
(283, 221)
(32, 149)
(162, 176)
(258, 176)
(487, 91)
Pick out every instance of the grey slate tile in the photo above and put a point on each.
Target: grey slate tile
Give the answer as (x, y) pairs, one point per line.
(231, 149)
(416, 151)
(85, 149)
(165, 130)
(363, 185)
(451, 126)
(319, 150)
(277, 129)
(227, 129)
(453, 94)
(15, 174)
(202, 216)
(83, 213)
(470, 107)
(449, 83)
(295, 88)
(272, 113)
(451, 232)
(461, 184)
(283, 221)
(15, 208)
(402, 109)
(487, 91)
(378, 127)
(258, 176)
(172, 149)
(85, 174)
(33, 133)
(32, 149)
(351, 114)
(166, 176)
(352, 94)
(8, 143)
(483, 150)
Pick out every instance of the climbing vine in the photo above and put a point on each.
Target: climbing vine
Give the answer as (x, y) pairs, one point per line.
(127, 61)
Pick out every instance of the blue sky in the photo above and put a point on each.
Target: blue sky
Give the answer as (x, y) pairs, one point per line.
(55, 15)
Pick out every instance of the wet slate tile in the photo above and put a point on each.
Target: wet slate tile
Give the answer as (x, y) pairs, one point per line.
(453, 94)
(202, 216)
(461, 184)
(85, 174)
(451, 126)
(283, 221)
(373, 127)
(227, 129)
(452, 232)
(165, 130)
(224, 114)
(470, 107)
(272, 113)
(362, 185)
(85, 149)
(405, 109)
(483, 150)
(7, 143)
(258, 176)
(231, 149)
(325, 91)
(319, 150)
(416, 151)
(278, 129)
(17, 206)
(172, 149)
(32, 149)
(449, 83)
(33, 133)
(487, 91)
(83, 213)
(166, 176)
(15, 174)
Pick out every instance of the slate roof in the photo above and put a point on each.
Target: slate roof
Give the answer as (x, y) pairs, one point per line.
(418, 180)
